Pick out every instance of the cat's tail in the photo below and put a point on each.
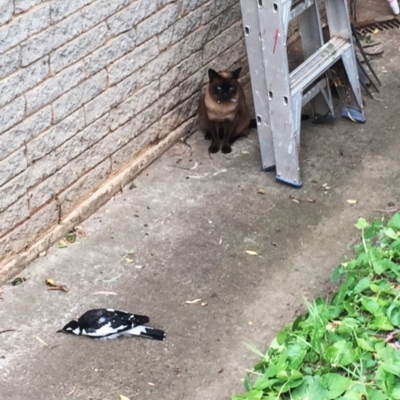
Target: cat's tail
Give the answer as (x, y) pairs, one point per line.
(147, 332)
(253, 121)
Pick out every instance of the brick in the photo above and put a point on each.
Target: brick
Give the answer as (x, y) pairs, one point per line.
(78, 48)
(23, 5)
(114, 49)
(157, 23)
(130, 16)
(56, 135)
(61, 8)
(222, 42)
(27, 233)
(51, 39)
(79, 96)
(13, 215)
(10, 61)
(12, 166)
(190, 5)
(66, 153)
(165, 2)
(133, 61)
(15, 188)
(84, 187)
(134, 105)
(25, 131)
(180, 29)
(214, 8)
(54, 87)
(179, 73)
(23, 27)
(23, 80)
(100, 10)
(12, 113)
(6, 11)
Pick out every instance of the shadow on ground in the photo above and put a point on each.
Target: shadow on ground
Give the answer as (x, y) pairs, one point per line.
(190, 219)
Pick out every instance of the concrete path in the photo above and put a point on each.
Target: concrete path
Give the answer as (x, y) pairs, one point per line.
(190, 220)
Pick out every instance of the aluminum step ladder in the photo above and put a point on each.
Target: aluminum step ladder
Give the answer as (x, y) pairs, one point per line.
(279, 94)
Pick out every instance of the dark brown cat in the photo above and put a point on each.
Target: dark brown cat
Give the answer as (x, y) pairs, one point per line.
(223, 113)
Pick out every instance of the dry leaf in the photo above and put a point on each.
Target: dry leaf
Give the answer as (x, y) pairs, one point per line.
(245, 152)
(53, 286)
(252, 253)
(41, 341)
(122, 397)
(204, 303)
(50, 282)
(192, 301)
(151, 384)
(313, 201)
(376, 30)
(261, 191)
(296, 201)
(112, 279)
(129, 260)
(62, 244)
(138, 266)
(250, 323)
(42, 254)
(352, 202)
(131, 251)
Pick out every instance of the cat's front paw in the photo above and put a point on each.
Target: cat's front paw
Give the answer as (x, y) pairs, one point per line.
(213, 148)
(207, 136)
(226, 149)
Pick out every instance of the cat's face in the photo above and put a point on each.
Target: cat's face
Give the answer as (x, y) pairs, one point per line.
(224, 85)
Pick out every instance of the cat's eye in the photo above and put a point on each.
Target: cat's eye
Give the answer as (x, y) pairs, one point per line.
(231, 89)
(219, 88)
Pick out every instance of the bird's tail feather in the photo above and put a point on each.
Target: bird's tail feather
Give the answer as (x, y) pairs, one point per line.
(147, 332)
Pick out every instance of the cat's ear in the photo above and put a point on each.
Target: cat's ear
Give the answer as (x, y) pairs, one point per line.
(212, 74)
(236, 73)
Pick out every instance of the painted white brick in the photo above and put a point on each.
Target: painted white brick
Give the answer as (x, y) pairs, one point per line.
(223, 21)
(13, 215)
(62, 8)
(214, 8)
(15, 188)
(12, 166)
(78, 96)
(23, 27)
(25, 131)
(100, 10)
(6, 11)
(67, 163)
(64, 154)
(54, 87)
(180, 29)
(165, 2)
(157, 23)
(78, 48)
(134, 105)
(133, 61)
(84, 187)
(222, 42)
(23, 80)
(130, 16)
(51, 38)
(10, 61)
(23, 5)
(114, 49)
(179, 73)
(190, 5)
(56, 135)
(12, 113)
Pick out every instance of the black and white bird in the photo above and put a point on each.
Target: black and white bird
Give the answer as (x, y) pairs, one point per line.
(111, 324)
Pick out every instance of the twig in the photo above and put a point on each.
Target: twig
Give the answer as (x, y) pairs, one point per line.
(392, 336)
(389, 210)
(8, 330)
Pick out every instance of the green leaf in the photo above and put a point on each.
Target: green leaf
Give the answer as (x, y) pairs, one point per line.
(361, 224)
(395, 395)
(364, 345)
(390, 233)
(391, 368)
(375, 395)
(263, 382)
(381, 323)
(246, 384)
(394, 222)
(371, 305)
(336, 384)
(252, 395)
(131, 251)
(310, 389)
(363, 284)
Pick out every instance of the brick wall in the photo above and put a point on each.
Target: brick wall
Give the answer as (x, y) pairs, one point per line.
(88, 88)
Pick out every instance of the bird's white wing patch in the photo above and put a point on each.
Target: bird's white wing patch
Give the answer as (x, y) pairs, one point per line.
(104, 330)
(102, 320)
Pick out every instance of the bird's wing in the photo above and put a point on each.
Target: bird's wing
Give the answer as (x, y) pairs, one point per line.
(134, 318)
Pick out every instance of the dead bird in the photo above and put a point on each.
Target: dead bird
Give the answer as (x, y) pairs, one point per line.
(223, 113)
(111, 324)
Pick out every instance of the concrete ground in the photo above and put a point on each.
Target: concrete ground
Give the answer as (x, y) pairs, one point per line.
(190, 219)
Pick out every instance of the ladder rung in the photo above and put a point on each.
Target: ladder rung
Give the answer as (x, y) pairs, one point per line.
(306, 73)
(310, 94)
(300, 8)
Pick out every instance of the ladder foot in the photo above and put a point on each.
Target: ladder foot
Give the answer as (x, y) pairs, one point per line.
(288, 182)
(353, 115)
(268, 169)
(323, 119)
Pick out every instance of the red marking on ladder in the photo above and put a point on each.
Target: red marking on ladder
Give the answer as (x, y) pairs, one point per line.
(276, 39)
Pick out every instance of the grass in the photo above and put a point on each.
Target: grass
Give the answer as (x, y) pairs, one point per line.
(346, 348)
